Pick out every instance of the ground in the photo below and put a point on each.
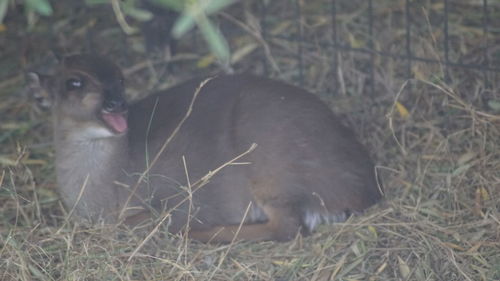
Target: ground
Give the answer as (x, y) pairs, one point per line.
(434, 138)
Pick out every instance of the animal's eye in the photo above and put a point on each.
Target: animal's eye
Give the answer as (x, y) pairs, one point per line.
(74, 84)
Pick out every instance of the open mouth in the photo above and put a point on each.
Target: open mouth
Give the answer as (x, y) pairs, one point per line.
(117, 121)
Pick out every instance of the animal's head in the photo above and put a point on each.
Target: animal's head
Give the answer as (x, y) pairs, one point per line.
(87, 92)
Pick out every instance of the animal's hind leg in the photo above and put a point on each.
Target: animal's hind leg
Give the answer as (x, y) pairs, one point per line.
(282, 225)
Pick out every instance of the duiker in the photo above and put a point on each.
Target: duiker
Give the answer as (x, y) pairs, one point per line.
(306, 169)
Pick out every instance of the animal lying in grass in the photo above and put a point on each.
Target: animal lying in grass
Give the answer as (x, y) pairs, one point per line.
(233, 157)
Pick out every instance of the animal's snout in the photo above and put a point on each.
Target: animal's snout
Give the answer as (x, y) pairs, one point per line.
(115, 105)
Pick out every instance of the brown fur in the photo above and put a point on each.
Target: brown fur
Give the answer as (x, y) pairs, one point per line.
(306, 169)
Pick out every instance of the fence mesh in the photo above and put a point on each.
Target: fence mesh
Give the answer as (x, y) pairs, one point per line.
(445, 40)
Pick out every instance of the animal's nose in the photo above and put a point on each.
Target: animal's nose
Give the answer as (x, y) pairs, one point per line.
(115, 105)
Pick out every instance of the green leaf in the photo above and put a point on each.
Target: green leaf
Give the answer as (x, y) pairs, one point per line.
(215, 6)
(176, 5)
(461, 169)
(214, 38)
(3, 9)
(494, 104)
(195, 13)
(183, 24)
(138, 14)
(96, 2)
(42, 7)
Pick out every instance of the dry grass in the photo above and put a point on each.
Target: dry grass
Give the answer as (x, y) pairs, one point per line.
(440, 219)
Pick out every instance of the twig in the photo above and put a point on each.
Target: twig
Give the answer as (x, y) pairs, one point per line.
(82, 189)
(199, 184)
(221, 260)
(164, 146)
(120, 17)
(391, 113)
(257, 36)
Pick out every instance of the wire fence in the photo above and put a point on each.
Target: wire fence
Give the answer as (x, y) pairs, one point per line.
(462, 35)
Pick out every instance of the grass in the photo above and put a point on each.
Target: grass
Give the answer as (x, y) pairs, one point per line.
(435, 141)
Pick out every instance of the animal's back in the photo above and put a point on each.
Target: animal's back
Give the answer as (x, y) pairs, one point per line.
(304, 160)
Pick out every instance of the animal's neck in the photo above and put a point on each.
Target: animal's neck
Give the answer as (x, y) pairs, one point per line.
(87, 169)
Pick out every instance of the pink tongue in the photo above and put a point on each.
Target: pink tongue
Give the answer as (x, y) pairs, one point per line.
(116, 121)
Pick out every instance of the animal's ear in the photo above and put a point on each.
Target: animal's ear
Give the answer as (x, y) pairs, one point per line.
(38, 86)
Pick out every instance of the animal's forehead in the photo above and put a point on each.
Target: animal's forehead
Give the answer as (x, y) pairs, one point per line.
(100, 67)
